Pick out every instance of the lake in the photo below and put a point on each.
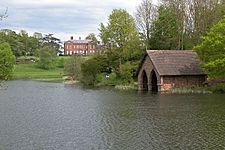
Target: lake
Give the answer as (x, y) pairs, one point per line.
(53, 116)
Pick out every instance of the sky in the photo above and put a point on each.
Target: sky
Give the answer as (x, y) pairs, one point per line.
(63, 18)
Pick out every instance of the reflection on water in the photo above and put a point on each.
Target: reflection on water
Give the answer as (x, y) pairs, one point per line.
(51, 116)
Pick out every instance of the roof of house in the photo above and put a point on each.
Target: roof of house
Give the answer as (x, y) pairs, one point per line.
(175, 62)
(80, 41)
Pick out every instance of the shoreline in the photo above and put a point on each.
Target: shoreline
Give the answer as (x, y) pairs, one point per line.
(216, 89)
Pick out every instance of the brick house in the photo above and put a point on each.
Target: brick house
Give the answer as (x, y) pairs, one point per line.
(82, 47)
(163, 70)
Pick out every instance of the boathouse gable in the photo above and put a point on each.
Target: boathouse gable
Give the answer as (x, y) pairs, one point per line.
(146, 71)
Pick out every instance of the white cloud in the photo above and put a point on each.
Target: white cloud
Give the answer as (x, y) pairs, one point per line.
(61, 17)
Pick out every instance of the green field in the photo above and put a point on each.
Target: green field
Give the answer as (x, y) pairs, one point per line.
(33, 72)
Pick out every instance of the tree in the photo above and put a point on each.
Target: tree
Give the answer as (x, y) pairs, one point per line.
(121, 35)
(23, 37)
(51, 41)
(145, 15)
(7, 61)
(47, 58)
(196, 18)
(121, 39)
(89, 69)
(127, 72)
(164, 31)
(73, 67)
(13, 40)
(93, 38)
(32, 46)
(94, 66)
(212, 50)
(22, 44)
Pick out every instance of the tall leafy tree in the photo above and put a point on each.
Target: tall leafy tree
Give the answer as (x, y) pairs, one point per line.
(212, 50)
(122, 41)
(164, 31)
(121, 35)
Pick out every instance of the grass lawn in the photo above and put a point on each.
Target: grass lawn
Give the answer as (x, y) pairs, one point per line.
(32, 72)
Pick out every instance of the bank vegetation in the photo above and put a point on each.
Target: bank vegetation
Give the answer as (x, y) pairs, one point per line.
(169, 25)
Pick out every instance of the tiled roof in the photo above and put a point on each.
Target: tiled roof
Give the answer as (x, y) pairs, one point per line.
(176, 62)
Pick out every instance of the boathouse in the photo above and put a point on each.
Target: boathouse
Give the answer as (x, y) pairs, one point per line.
(163, 70)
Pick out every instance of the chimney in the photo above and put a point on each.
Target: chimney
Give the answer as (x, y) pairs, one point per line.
(71, 38)
(79, 38)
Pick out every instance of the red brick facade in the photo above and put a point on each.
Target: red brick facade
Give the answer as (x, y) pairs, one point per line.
(169, 82)
(82, 47)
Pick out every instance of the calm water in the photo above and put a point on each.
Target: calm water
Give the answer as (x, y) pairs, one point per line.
(52, 116)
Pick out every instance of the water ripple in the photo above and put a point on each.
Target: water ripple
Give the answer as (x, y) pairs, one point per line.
(49, 116)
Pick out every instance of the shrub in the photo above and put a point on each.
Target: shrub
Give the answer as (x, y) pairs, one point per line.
(61, 62)
(89, 70)
(219, 88)
(127, 71)
(47, 58)
(212, 50)
(7, 61)
(73, 67)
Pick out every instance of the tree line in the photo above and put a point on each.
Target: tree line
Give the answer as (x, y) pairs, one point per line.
(24, 45)
(14, 45)
(177, 24)
(173, 24)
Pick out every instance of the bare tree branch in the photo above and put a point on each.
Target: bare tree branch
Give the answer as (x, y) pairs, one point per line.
(146, 13)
